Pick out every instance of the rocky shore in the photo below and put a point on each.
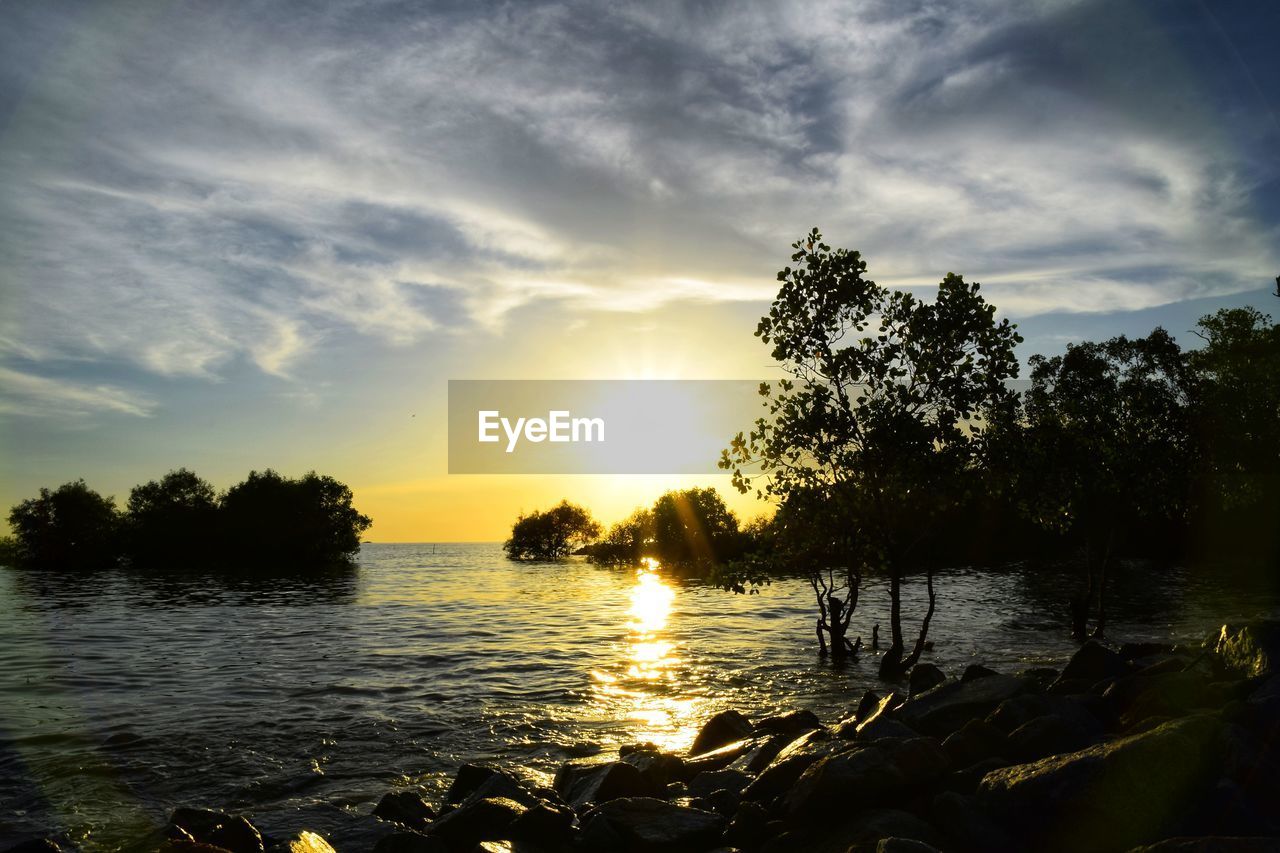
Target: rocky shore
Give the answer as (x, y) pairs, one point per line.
(1139, 747)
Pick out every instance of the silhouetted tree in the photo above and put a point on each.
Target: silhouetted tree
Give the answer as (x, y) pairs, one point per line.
(270, 520)
(552, 534)
(627, 542)
(882, 417)
(70, 528)
(173, 521)
(693, 527)
(1105, 445)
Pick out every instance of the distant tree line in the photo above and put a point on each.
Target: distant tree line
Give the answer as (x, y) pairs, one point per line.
(180, 521)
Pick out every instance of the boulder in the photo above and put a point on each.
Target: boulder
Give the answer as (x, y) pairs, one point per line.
(304, 842)
(722, 729)
(871, 775)
(544, 824)
(658, 768)
(1250, 650)
(881, 727)
(410, 842)
(974, 671)
(1018, 710)
(1109, 797)
(762, 753)
(866, 705)
(722, 757)
(924, 677)
(967, 779)
(1093, 662)
(967, 828)
(704, 784)
(644, 824)
(776, 779)
(875, 825)
(792, 722)
(885, 706)
(975, 741)
(903, 845)
(487, 819)
(1048, 735)
(35, 845)
(1166, 694)
(405, 808)
(218, 829)
(582, 784)
(945, 709)
(748, 826)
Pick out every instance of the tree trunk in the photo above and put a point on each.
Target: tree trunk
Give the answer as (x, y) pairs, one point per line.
(1080, 604)
(924, 626)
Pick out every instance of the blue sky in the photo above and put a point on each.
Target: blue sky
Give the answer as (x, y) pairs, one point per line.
(251, 234)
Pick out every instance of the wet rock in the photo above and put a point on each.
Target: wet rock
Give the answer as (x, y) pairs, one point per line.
(967, 828)
(718, 780)
(1048, 735)
(747, 829)
(1109, 797)
(1018, 710)
(1250, 650)
(35, 845)
(876, 825)
(1093, 662)
(487, 819)
(792, 722)
(884, 727)
(720, 758)
(304, 842)
(976, 740)
(866, 705)
(885, 706)
(410, 842)
(967, 779)
(782, 773)
(658, 768)
(405, 808)
(974, 671)
(544, 824)
(722, 729)
(722, 802)
(1212, 844)
(948, 707)
(903, 845)
(1169, 694)
(644, 824)
(871, 775)
(762, 755)
(231, 832)
(924, 677)
(478, 781)
(582, 784)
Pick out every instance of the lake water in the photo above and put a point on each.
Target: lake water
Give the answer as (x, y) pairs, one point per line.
(301, 701)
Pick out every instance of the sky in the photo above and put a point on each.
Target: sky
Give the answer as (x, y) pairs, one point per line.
(266, 234)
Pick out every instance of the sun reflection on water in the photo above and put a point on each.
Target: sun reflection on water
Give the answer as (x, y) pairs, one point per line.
(647, 685)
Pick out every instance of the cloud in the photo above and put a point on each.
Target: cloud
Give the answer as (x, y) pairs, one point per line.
(192, 188)
(27, 394)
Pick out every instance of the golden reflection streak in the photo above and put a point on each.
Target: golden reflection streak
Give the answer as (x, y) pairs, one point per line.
(665, 720)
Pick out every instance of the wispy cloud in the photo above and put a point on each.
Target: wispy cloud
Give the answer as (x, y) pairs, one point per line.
(187, 189)
(27, 394)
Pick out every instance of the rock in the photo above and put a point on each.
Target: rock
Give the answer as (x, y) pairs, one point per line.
(1048, 735)
(1014, 712)
(948, 707)
(974, 671)
(1168, 694)
(762, 755)
(720, 758)
(884, 707)
(875, 825)
(305, 842)
(405, 808)
(410, 842)
(722, 802)
(658, 768)
(219, 829)
(792, 722)
(884, 727)
(748, 826)
(924, 677)
(647, 824)
(903, 845)
(1213, 844)
(544, 824)
(1137, 651)
(866, 705)
(487, 819)
(975, 741)
(718, 780)
(870, 775)
(1093, 662)
(1109, 797)
(468, 778)
(967, 828)
(1249, 650)
(582, 784)
(722, 729)
(499, 784)
(967, 779)
(35, 845)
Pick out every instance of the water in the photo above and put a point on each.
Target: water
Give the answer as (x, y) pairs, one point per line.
(300, 701)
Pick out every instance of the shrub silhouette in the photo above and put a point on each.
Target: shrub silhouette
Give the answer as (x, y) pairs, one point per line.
(72, 527)
(552, 534)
